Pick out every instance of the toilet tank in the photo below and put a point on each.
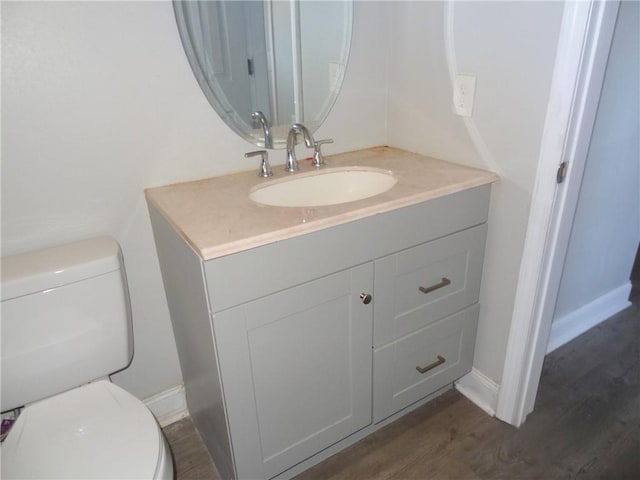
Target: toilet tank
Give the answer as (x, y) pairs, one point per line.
(65, 319)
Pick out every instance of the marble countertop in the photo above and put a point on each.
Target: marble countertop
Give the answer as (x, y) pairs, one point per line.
(216, 217)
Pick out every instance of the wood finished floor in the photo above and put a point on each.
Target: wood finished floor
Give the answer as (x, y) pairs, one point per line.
(586, 425)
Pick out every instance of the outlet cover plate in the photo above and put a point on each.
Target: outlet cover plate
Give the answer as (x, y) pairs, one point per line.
(464, 92)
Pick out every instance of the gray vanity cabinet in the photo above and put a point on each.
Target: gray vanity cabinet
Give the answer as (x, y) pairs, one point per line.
(286, 360)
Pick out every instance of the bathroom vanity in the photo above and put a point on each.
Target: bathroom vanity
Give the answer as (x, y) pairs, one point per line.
(303, 329)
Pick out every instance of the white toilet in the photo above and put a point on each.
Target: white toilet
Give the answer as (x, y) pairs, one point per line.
(65, 322)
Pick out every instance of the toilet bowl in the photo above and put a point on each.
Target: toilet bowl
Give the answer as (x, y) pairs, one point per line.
(66, 326)
(91, 432)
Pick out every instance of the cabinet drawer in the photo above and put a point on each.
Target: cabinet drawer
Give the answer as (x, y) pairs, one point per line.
(444, 352)
(420, 285)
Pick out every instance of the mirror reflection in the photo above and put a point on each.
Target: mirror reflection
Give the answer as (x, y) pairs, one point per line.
(266, 64)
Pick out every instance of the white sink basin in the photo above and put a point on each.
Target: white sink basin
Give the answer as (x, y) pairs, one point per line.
(324, 187)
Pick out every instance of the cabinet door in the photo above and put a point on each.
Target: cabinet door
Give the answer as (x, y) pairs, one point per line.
(296, 370)
(420, 285)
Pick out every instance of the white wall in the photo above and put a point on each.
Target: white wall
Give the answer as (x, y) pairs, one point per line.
(98, 103)
(606, 228)
(510, 47)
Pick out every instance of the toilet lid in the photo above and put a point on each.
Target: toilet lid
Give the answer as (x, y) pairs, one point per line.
(94, 431)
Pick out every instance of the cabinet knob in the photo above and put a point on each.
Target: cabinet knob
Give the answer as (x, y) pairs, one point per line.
(366, 298)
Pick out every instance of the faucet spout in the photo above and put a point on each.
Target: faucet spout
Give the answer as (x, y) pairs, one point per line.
(292, 138)
(266, 128)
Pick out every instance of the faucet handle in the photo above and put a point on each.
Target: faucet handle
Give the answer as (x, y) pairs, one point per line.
(265, 168)
(318, 158)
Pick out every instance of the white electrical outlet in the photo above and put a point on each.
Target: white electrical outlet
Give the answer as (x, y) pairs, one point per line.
(464, 92)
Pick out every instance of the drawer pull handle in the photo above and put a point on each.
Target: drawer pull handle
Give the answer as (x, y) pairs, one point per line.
(433, 365)
(442, 283)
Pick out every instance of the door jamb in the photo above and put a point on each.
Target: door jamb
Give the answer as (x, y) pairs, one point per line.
(585, 39)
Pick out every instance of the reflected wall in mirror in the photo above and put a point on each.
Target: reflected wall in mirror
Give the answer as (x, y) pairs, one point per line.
(284, 58)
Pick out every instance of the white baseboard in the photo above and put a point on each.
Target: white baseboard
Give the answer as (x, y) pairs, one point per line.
(568, 327)
(480, 389)
(168, 406)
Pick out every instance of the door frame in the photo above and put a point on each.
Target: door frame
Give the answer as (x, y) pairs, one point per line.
(586, 34)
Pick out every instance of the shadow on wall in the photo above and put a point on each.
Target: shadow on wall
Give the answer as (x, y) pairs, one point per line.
(634, 296)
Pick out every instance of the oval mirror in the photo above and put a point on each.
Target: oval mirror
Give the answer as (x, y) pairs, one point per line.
(265, 64)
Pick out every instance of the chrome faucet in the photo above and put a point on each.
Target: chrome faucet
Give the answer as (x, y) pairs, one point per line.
(266, 128)
(294, 131)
